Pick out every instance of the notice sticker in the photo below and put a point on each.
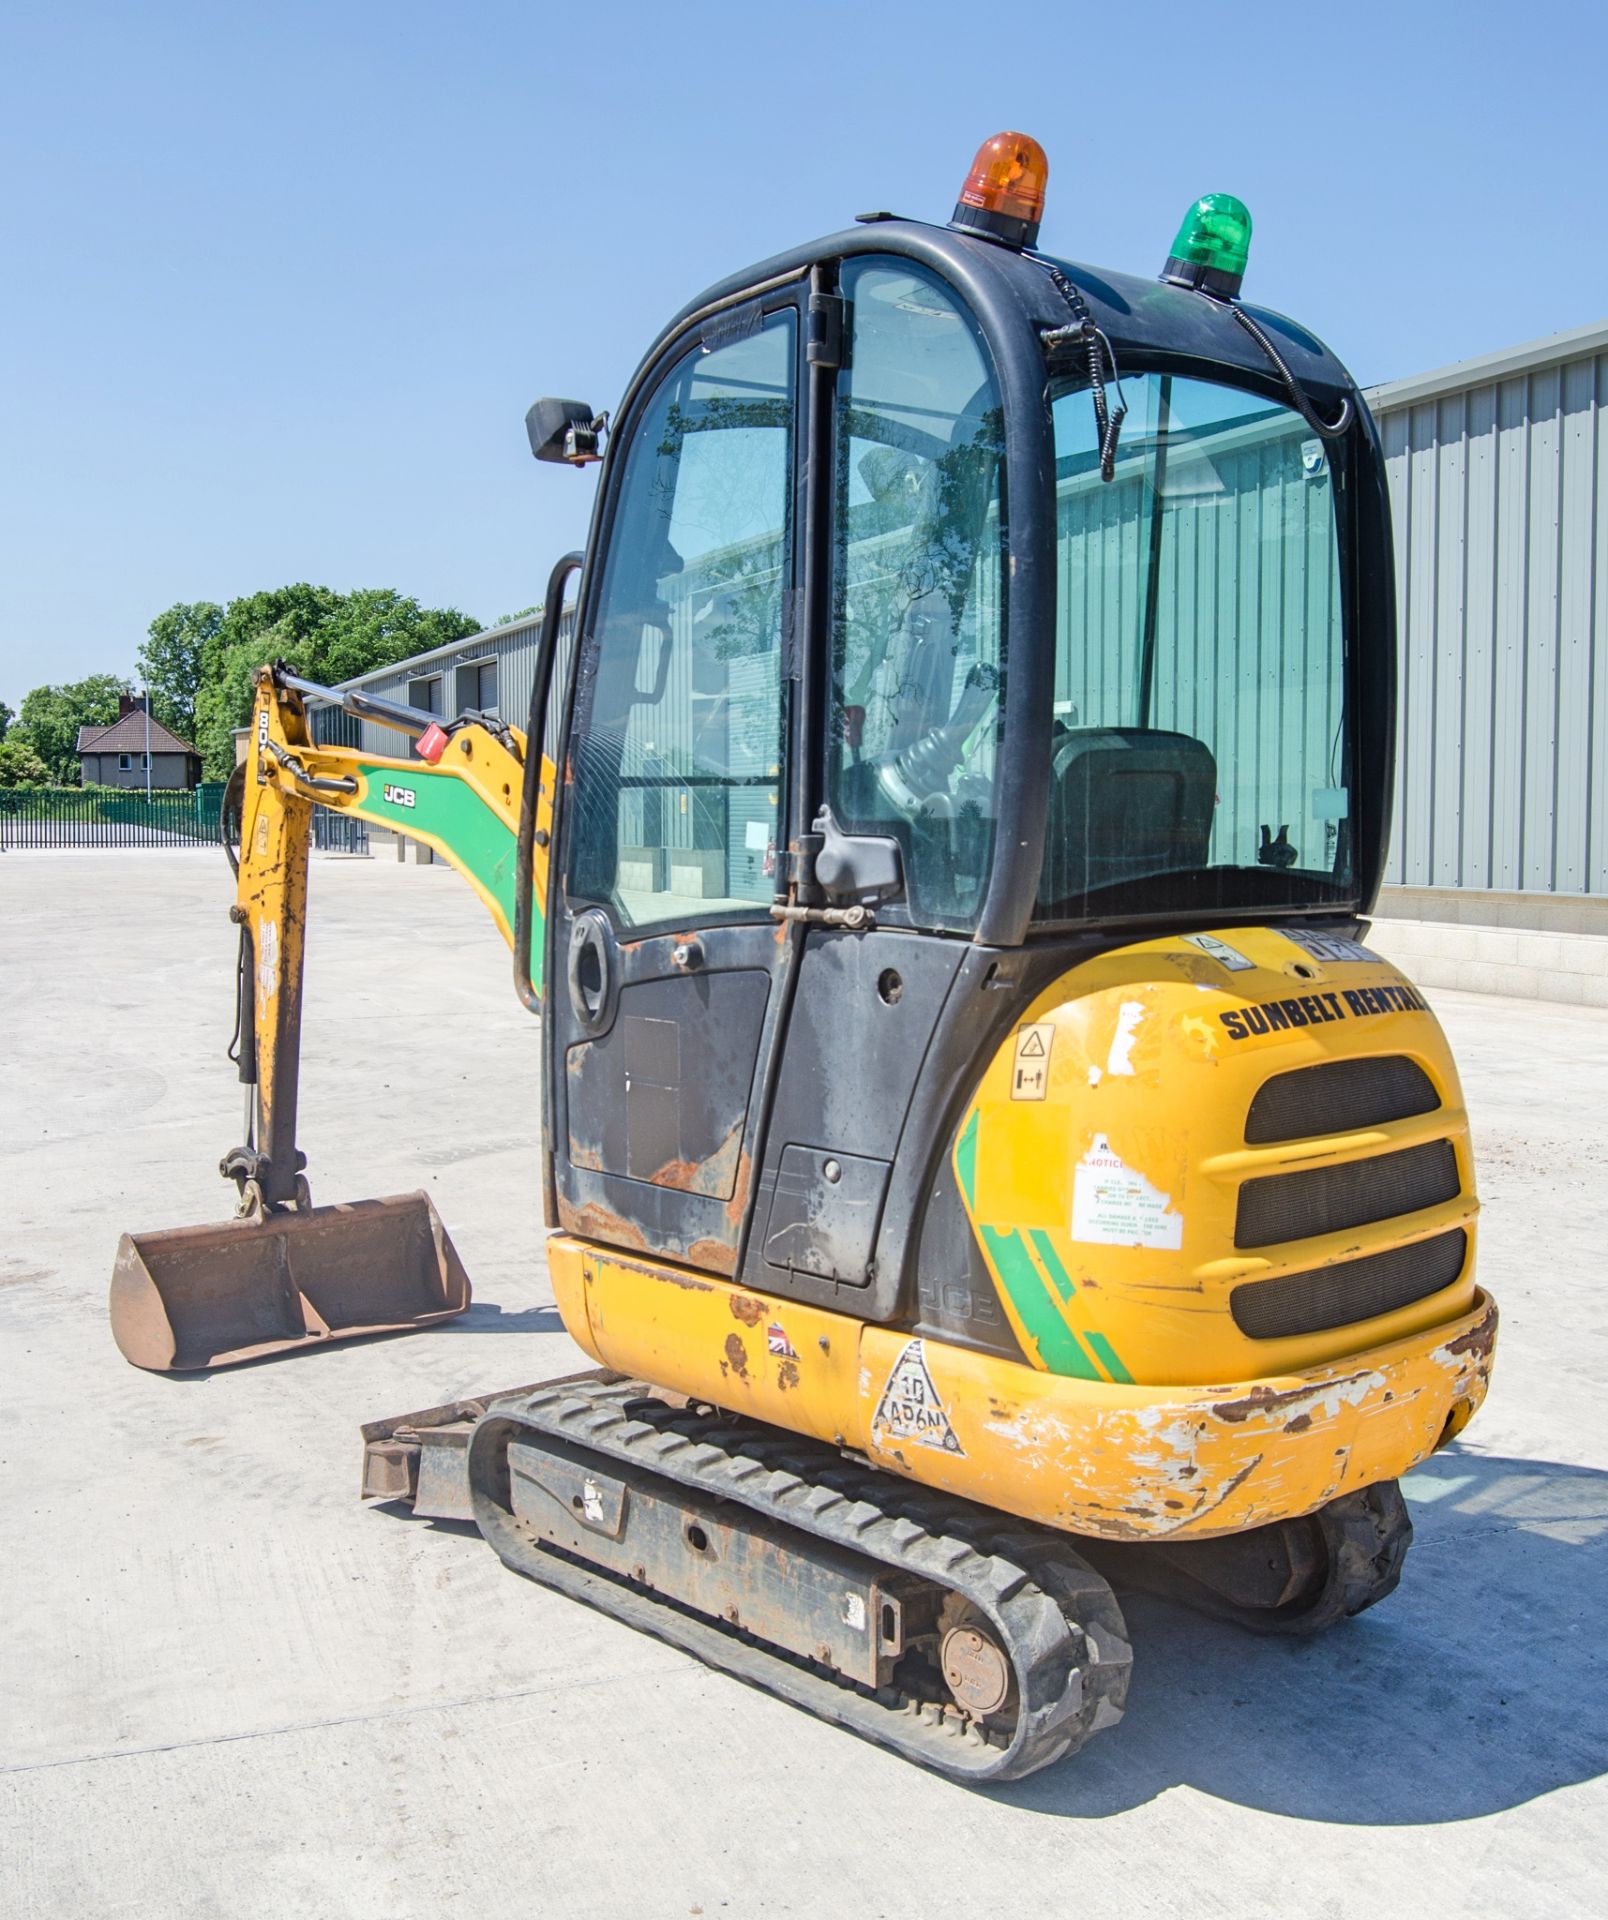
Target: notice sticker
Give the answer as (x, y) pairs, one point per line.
(1328, 946)
(1114, 1205)
(1030, 1073)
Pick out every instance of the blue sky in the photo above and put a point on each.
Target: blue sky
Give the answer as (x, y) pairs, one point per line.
(281, 280)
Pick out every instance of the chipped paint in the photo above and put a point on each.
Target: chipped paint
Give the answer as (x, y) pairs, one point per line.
(1119, 1059)
(1347, 1390)
(1114, 1461)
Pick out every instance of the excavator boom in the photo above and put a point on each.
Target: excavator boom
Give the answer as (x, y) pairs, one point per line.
(284, 1274)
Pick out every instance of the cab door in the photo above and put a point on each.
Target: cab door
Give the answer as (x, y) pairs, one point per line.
(667, 968)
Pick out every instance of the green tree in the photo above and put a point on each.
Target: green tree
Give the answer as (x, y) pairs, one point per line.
(20, 766)
(323, 635)
(255, 629)
(51, 717)
(6, 718)
(170, 661)
(375, 626)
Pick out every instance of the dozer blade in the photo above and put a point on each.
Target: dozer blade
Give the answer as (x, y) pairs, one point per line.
(213, 1296)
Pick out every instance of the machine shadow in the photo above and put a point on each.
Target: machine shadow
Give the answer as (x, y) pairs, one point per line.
(481, 1316)
(1479, 1684)
(485, 1316)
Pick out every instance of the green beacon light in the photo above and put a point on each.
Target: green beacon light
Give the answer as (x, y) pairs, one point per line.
(1212, 246)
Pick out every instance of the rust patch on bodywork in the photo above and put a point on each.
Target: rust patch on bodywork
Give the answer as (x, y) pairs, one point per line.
(746, 1308)
(787, 1375)
(713, 1254)
(601, 1225)
(689, 1283)
(1479, 1341)
(715, 1176)
(737, 1355)
(597, 1222)
(1263, 1400)
(737, 1205)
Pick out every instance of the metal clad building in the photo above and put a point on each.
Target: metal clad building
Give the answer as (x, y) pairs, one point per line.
(491, 672)
(1499, 482)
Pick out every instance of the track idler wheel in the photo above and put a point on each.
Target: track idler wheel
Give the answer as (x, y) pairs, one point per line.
(976, 1668)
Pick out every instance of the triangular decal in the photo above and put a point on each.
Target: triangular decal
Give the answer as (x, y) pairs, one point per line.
(910, 1408)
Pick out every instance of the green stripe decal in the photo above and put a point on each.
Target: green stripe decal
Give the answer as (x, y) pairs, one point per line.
(1058, 1345)
(1106, 1354)
(966, 1160)
(473, 838)
(1052, 1262)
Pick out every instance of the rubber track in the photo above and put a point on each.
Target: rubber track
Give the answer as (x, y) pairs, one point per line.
(1057, 1619)
(1364, 1535)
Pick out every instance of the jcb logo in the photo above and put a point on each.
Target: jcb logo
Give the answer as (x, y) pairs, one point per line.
(400, 796)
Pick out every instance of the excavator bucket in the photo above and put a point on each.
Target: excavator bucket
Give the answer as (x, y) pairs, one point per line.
(197, 1297)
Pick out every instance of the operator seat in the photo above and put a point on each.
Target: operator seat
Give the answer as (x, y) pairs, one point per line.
(1125, 803)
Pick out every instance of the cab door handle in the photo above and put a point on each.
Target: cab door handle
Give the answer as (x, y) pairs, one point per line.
(592, 978)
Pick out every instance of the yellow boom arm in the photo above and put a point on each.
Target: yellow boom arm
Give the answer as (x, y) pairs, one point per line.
(466, 807)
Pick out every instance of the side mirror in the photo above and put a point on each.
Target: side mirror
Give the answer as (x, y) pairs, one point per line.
(565, 431)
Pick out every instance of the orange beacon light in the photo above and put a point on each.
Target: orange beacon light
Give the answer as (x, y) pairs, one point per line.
(1003, 197)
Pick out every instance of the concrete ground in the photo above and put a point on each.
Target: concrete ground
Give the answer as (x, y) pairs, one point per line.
(230, 1690)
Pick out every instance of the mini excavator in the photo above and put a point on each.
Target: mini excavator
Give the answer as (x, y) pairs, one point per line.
(983, 1156)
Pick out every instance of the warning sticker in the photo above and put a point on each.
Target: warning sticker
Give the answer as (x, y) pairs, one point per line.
(1220, 951)
(1114, 1205)
(910, 1408)
(267, 961)
(1030, 1076)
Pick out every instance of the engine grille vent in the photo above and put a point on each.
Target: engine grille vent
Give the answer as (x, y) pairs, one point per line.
(1338, 1097)
(1294, 1303)
(1354, 1193)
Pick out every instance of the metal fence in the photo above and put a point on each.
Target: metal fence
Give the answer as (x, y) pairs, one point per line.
(70, 817)
(339, 832)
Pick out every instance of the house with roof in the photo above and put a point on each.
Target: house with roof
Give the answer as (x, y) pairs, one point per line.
(116, 756)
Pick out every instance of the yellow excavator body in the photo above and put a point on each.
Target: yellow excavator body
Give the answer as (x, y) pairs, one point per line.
(1102, 1163)
(985, 1159)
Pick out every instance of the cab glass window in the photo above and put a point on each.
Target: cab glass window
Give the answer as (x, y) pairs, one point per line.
(918, 616)
(678, 735)
(1202, 747)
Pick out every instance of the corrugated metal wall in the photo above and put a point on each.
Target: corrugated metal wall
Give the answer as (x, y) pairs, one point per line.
(513, 648)
(1247, 591)
(1500, 492)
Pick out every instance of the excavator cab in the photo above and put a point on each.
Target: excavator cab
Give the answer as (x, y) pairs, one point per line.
(973, 1118)
(904, 680)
